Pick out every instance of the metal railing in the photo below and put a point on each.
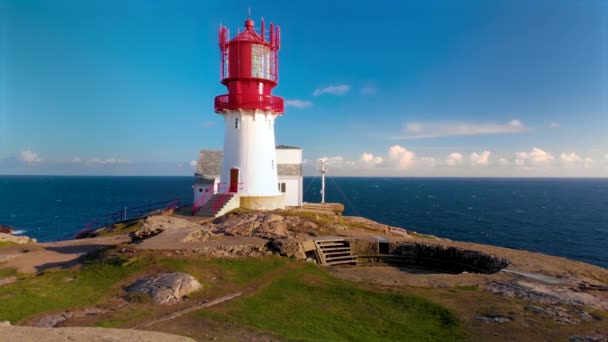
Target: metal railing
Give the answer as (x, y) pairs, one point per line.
(130, 213)
(236, 101)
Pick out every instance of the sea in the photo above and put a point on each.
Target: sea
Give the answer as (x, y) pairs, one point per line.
(563, 217)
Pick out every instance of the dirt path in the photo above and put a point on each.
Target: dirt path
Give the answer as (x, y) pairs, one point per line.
(188, 310)
(30, 334)
(34, 258)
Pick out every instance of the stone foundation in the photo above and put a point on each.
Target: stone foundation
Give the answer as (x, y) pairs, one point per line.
(263, 202)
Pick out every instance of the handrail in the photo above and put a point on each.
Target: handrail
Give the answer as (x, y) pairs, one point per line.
(223, 188)
(127, 214)
(246, 101)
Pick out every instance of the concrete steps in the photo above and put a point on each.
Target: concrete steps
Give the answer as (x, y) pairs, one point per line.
(217, 205)
(334, 251)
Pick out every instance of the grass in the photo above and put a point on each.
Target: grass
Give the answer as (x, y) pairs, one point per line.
(121, 228)
(51, 290)
(7, 272)
(305, 303)
(7, 243)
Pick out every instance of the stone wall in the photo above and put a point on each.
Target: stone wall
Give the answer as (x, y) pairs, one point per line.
(429, 256)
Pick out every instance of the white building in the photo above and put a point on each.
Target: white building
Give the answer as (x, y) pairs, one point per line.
(209, 185)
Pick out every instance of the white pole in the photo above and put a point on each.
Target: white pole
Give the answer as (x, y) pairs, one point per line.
(323, 171)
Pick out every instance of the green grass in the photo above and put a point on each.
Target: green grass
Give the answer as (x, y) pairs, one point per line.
(307, 304)
(50, 290)
(122, 228)
(241, 271)
(120, 319)
(7, 243)
(7, 272)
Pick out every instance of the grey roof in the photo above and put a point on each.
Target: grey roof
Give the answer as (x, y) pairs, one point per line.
(285, 147)
(209, 165)
(289, 169)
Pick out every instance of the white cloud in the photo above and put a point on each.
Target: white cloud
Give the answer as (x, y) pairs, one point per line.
(503, 161)
(570, 157)
(554, 125)
(535, 157)
(403, 158)
(99, 161)
(414, 127)
(454, 159)
(333, 90)
(298, 103)
(418, 130)
(107, 161)
(371, 160)
(482, 158)
(588, 163)
(30, 157)
(193, 163)
(427, 162)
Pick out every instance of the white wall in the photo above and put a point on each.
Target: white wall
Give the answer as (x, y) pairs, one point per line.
(251, 149)
(289, 156)
(203, 192)
(293, 193)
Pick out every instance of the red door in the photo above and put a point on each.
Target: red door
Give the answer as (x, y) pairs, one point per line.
(234, 180)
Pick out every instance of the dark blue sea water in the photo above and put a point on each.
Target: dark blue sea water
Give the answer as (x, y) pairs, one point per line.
(565, 217)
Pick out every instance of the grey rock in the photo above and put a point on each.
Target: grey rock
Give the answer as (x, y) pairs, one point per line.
(167, 288)
(493, 319)
(557, 313)
(290, 248)
(156, 224)
(588, 338)
(546, 294)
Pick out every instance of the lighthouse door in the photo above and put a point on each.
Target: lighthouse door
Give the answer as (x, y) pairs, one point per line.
(234, 180)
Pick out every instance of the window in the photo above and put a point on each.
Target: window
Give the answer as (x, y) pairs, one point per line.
(282, 187)
(206, 189)
(200, 190)
(236, 122)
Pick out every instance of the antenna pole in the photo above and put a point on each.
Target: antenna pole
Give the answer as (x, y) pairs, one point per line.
(323, 171)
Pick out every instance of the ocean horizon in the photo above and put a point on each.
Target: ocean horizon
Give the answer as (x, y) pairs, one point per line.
(566, 217)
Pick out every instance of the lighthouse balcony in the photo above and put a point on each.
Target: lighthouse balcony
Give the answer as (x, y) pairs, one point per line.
(246, 101)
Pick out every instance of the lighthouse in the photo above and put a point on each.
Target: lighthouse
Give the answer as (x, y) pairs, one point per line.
(249, 70)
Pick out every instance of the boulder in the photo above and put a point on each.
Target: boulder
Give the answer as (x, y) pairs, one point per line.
(290, 248)
(156, 224)
(6, 229)
(167, 288)
(264, 225)
(16, 238)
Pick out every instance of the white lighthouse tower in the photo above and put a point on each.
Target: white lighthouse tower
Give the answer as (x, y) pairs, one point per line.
(249, 69)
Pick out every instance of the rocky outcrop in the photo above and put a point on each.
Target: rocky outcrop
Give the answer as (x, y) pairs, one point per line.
(31, 334)
(16, 239)
(6, 229)
(547, 294)
(166, 289)
(291, 248)
(154, 225)
(368, 224)
(560, 314)
(264, 225)
(51, 321)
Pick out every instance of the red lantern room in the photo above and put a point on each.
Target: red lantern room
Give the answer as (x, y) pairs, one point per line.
(249, 69)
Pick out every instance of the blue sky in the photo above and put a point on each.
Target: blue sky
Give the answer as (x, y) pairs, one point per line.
(386, 88)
